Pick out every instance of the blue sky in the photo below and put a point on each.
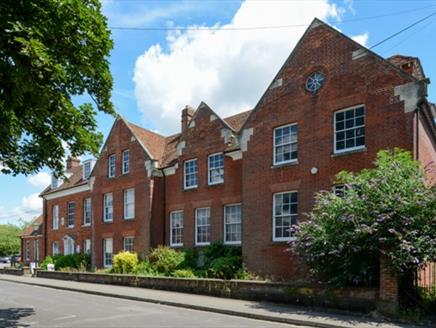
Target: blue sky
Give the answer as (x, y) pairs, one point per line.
(157, 72)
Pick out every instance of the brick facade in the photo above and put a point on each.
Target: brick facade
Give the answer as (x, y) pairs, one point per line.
(396, 114)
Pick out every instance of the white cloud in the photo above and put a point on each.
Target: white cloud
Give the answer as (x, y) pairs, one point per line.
(41, 179)
(31, 203)
(29, 208)
(361, 38)
(229, 70)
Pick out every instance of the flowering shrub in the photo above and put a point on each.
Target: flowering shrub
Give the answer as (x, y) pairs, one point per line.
(165, 259)
(386, 210)
(125, 262)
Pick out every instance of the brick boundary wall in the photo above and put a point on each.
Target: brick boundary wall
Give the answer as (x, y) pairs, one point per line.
(349, 299)
(11, 271)
(388, 300)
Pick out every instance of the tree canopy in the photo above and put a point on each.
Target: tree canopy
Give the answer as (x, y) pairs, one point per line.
(9, 239)
(387, 210)
(51, 51)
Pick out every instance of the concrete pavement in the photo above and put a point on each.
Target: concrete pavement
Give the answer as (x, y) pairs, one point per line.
(255, 310)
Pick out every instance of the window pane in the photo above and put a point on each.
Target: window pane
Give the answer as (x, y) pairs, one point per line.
(285, 144)
(352, 134)
(285, 214)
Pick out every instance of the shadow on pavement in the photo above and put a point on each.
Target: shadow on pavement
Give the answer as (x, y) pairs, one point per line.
(11, 317)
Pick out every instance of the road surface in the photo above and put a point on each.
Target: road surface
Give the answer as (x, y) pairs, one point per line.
(32, 306)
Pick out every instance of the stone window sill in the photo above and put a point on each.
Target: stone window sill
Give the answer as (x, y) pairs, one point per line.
(277, 166)
(345, 153)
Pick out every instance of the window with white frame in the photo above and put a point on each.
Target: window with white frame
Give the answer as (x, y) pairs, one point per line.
(129, 204)
(68, 245)
(87, 212)
(87, 246)
(202, 226)
(232, 224)
(216, 168)
(285, 144)
(107, 252)
(126, 162)
(176, 228)
(349, 129)
(71, 211)
(108, 207)
(54, 248)
(55, 224)
(111, 166)
(191, 174)
(285, 213)
(27, 250)
(128, 244)
(87, 169)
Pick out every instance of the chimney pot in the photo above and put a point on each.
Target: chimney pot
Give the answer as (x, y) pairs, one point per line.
(72, 162)
(187, 114)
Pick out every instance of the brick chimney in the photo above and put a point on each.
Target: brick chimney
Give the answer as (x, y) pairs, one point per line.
(187, 114)
(72, 162)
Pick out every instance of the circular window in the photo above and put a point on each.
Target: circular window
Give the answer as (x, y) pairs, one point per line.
(315, 81)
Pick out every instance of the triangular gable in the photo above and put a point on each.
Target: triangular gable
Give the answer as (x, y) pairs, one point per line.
(203, 106)
(315, 23)
(140, 141)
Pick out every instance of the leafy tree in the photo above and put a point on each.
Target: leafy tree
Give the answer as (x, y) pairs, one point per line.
(387, 210)
(9, 239)
(51, 51)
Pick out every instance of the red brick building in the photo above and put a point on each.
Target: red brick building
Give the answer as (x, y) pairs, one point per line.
(246, 179)
(67, 209)
(32, 241)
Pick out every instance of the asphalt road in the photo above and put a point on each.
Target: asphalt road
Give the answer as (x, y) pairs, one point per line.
(32, 306)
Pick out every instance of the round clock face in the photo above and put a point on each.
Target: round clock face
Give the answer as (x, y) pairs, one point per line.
(315, 81)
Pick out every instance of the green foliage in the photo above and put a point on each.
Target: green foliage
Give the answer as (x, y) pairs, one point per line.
(191, 258)
(165, 259)
(217, 250)
(9, 239)
(125, 262)
(51, 51)
(73, 261)
(183, 273)
(385, 210)
(144, 268)
(45, 262)
(224, 267)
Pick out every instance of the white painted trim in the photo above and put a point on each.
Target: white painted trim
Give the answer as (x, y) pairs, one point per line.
(210, 224)
(184, 174)
(292, 160)
(346, 150)
(171, 170)
(208, 170)
(274, 238)
(171, 228)
(123, 162)
(224, 224)
(109, 166)
(67, 192)
(104, 207)
(125, 217)
(235, 155)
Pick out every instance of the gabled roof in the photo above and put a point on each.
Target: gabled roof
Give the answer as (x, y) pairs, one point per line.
(315, 23)
(236, 121)
(152, 141)
(401, 60)
(30, 230)
(75, 178)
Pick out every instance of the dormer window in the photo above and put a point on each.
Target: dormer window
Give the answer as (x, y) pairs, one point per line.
(54, 182)
(87, 167)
